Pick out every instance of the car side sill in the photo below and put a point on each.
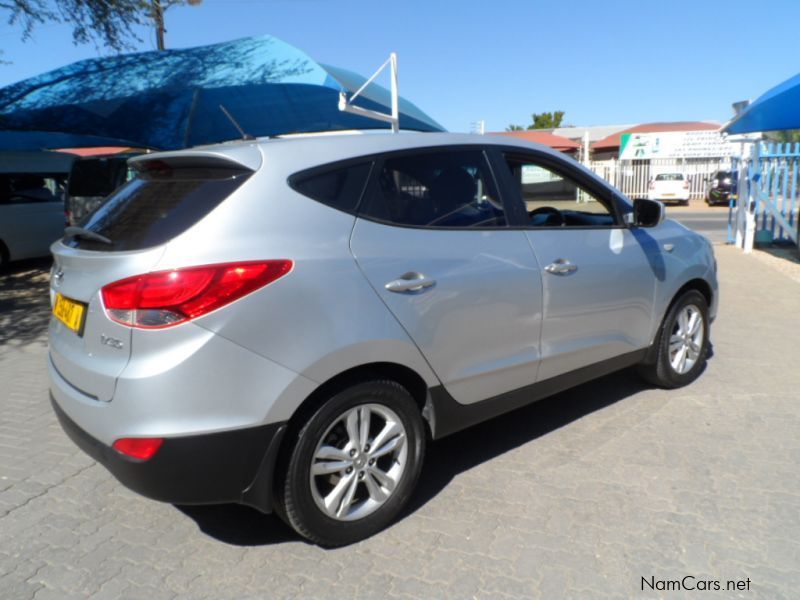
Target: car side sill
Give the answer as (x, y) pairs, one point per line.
(446, 415)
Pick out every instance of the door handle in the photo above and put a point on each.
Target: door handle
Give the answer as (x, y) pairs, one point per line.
(410, 282)
(561, 267)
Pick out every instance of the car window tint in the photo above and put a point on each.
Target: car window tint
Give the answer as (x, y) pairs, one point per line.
(447, 189)
(158, 205)
(339, 188)
(31, 188)
(555, 200)
(98, 176)
(669, 177)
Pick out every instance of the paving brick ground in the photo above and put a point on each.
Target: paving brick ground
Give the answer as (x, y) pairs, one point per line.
(581, 495)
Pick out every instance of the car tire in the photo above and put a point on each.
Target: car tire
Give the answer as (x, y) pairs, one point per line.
(337, 487)
(681, 345)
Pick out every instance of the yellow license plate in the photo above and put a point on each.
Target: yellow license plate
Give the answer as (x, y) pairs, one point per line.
(668, 195)
(70, 312)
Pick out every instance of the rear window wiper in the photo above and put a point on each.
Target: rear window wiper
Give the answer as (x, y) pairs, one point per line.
(86, 233)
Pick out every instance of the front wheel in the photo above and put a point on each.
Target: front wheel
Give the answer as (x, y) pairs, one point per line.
(682, 343)
(354, 464)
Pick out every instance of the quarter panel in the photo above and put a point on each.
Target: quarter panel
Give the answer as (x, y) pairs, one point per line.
(186, 381)
(321, 318)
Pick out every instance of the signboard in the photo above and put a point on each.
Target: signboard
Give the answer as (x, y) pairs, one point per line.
(675, 144)
(537, 174)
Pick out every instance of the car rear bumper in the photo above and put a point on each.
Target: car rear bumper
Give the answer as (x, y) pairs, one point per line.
(717, 195)
(672, 198)
(229, 466)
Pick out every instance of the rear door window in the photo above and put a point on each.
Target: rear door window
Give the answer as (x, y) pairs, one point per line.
(442, 189)
(159, 204)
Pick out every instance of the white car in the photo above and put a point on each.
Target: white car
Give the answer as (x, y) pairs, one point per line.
(669, 187)
(31, 203)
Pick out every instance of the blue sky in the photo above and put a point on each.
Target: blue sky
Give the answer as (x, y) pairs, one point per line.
(602, 62)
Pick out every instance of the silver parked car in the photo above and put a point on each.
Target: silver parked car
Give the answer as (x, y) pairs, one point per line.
(283, 323)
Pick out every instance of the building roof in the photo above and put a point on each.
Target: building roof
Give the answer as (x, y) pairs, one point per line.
(596, 132)
(96, 151)
(614, 140)
(556, 142)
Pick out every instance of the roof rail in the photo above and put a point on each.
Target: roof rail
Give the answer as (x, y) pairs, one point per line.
(347, 105)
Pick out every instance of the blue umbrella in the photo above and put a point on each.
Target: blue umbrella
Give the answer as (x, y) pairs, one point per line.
(171, 99)
(779, 108)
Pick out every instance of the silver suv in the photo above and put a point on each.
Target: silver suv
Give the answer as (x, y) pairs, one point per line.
(284, 322)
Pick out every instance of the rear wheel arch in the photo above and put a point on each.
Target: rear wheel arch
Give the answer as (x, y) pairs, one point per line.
(379, 372)
(406, 377)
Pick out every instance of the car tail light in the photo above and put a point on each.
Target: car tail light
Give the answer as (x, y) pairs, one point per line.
(138, 448)
(67, 218)
(167, 298)
(686, 184)
(652, 185)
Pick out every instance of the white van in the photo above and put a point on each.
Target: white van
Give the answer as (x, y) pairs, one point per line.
(31, 202)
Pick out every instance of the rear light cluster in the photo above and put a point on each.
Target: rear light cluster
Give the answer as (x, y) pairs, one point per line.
(167, 298)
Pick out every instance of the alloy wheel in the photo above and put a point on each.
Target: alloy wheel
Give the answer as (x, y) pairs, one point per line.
(686, 341)
(358, 462)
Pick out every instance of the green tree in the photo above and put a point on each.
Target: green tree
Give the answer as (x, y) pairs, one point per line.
(547, 120)
(783, 136)
(514, 128)
(107, 23)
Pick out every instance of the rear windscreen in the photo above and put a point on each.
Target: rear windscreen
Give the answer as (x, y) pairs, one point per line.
(669, 177)
(158, 205)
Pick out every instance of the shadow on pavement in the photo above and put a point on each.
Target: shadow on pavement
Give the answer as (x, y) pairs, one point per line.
(787, 252)
(239, 525)
(471, 447)
(446, 458)
(24, 302)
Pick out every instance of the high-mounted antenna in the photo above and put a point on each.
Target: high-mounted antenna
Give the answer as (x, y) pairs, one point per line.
(347, 105)
(245, 135)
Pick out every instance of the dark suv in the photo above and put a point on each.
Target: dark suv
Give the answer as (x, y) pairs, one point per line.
(719, 187)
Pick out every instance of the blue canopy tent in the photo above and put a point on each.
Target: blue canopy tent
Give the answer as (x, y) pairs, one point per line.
(171, 99)
(778, 108)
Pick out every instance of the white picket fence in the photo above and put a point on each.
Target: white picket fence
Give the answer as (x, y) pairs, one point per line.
(632, 177)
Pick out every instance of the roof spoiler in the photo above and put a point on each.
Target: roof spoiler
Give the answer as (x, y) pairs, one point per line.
(244, 156)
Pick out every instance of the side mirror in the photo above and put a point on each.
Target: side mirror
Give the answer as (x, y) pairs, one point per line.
(648, 213)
